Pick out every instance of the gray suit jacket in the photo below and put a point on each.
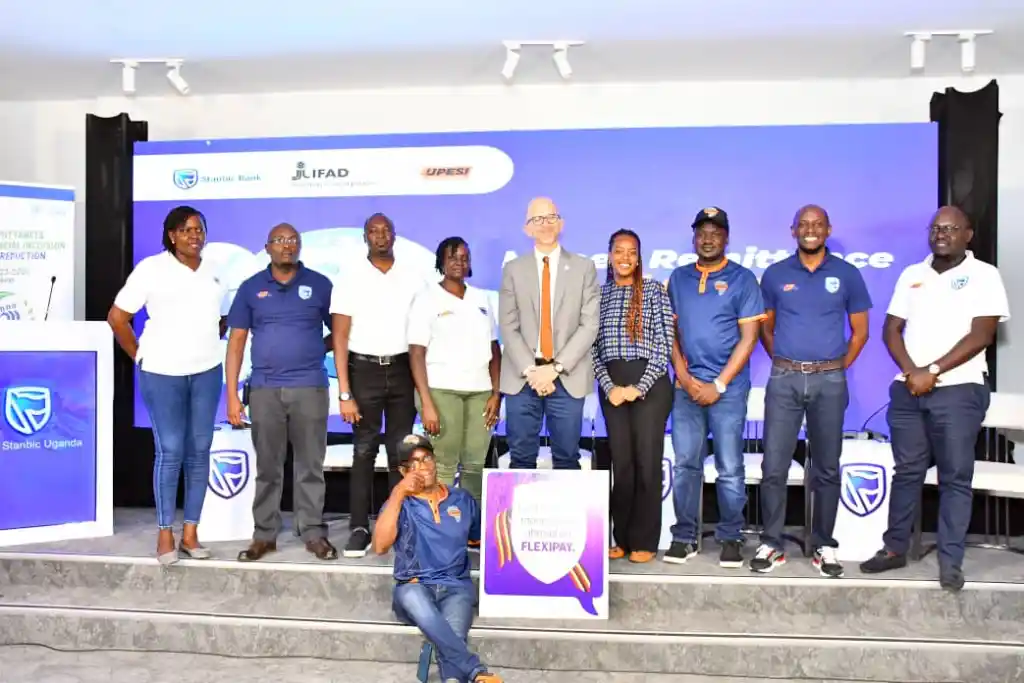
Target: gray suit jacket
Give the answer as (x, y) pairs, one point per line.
(575, 319)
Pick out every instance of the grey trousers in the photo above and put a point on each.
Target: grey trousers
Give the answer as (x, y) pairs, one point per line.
(298, 415)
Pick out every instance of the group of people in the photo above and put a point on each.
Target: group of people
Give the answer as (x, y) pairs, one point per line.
(404, 345)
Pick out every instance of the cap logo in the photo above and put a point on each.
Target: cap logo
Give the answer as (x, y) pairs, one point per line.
(411, 440)
(711, 212)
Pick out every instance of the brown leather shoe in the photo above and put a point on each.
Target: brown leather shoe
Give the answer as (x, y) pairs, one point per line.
(256, 550)
(616, 553)
(641, 556)
(322, 548)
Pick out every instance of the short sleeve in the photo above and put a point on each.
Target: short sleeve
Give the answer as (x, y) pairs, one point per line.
(135, 292)
(992, 300)
(240, 313)
(899, 305)
(672, 287)
(421, 317)
(749, 303)
(343, 297)
(858, 300)
(474, 525)
(225, 300)
(768, 289)
(492, 314)
(326, 302)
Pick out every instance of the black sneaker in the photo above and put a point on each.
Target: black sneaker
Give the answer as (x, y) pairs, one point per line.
(679, 553)
(826, 562)
(731, 555)
(358, 542)
(767, 558)
(883, 561)
(951, 578)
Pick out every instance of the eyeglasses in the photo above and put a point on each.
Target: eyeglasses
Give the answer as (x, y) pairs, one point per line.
(418, 462)
(283, 240)
(944, 229)
(550, 219)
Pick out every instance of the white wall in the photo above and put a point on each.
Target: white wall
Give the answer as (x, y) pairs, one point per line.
(44, 141)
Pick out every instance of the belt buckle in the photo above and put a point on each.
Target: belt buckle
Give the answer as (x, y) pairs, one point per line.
(807, 367)
(384, 361)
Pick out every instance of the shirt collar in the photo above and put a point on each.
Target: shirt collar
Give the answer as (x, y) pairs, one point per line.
(555, 253)
(968, 258)
(299, 270)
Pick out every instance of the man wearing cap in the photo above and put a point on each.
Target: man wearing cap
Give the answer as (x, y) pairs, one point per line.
(943, 315)
(719, 309)
(809, 298)
(430, 525)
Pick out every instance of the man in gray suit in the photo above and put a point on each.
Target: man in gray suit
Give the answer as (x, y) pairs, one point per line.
(548, 311)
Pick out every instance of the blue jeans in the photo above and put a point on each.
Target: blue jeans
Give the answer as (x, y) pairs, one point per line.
(443, 614)
(944, 425)
(182, 411)
(823, 398)
(524, 414)
(727, 419)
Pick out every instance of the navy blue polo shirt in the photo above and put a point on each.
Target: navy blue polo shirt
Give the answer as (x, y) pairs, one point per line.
(286, 322)
(710, 303)
(431, 546)
(812, 308)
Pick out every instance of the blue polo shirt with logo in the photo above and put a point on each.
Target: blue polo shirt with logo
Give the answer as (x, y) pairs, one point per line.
(431, 546)
(286, 322)
(812, 308)
(710, 303)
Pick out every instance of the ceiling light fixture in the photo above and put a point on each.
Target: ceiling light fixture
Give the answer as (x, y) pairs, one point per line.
(560, 56)
(130, 66)
(511, 59)
(966, 38)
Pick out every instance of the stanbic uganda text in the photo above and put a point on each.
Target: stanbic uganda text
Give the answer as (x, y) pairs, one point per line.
(41, 445)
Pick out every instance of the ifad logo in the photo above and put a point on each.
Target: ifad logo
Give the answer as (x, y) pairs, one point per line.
(27, 409)
(666, 478)
(229, 472)
(862, 487)
(186, 178)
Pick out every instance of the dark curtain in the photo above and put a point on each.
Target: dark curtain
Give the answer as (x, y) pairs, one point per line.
(969, 167)
(109, 146)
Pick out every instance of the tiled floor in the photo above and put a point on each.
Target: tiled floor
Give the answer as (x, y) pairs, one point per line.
(21, 664)
(135, 537)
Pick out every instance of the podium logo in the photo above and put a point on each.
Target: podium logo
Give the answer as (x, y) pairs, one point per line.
(27, 409)
(229, 472)
(862, 487)
(186, 178)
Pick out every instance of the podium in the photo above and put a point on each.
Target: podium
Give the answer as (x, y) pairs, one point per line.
(865, 481)
(56, 431)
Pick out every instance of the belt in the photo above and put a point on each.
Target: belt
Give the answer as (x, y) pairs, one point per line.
(379, 360)
(543, 361)
(808, 367)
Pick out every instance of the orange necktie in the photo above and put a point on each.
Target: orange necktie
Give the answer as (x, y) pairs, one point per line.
(547, 342)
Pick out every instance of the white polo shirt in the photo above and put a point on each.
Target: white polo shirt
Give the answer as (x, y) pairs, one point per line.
(940, 307)
(458, 335)
(182, 333)
(378, 304)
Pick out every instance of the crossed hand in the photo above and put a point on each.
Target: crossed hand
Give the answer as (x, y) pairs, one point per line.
(542, 379)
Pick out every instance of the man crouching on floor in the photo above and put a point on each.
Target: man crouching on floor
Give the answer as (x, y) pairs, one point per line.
(430, 527)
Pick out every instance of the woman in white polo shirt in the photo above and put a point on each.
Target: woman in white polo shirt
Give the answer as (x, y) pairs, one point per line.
(179, 358)
(456, 363)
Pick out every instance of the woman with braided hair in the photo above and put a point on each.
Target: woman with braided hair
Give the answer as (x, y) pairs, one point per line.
(631, 360)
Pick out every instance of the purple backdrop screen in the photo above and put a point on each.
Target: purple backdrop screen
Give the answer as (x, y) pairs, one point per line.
(47, 438)
(878, 183)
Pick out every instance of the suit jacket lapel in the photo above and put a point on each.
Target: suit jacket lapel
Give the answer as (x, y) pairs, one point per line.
(532, 283)
(564, 268)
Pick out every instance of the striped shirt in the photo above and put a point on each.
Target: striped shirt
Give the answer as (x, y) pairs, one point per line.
(613, 342)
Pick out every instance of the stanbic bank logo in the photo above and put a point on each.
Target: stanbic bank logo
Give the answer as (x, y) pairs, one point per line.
(302, 172)
(229, 472)
(27, 410)
(187, 178)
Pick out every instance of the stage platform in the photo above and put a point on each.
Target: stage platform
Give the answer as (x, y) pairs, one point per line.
(697, 619)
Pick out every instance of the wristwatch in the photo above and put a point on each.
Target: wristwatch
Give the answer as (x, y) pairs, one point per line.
(720, 386)
(934, 369)
(558, 367)
(345, 396)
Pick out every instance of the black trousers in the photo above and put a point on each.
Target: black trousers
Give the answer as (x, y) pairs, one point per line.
(636, 439)
(385, 395)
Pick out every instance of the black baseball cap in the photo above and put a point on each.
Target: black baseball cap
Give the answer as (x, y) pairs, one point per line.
(411, 444)
(712, 214)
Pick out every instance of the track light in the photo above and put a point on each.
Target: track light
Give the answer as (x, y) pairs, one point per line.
(968, 52)
(511, 59)
(174, 76)
(128, 77)
(917, 51)
(561, 58)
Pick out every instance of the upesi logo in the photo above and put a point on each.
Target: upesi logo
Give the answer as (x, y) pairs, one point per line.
(449, 172)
